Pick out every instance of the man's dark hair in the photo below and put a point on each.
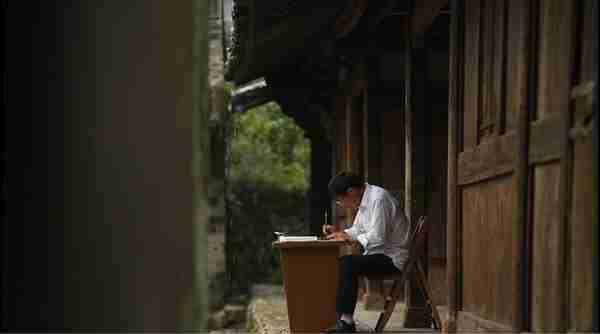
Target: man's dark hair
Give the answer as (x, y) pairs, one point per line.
(340, 183)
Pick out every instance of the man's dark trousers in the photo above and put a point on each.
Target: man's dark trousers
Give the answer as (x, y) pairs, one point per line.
(350, 268)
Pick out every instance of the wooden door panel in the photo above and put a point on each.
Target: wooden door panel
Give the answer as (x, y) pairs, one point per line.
(555, 48)
(548, 248)
(538, 63)
(486, 163)
(488, 214)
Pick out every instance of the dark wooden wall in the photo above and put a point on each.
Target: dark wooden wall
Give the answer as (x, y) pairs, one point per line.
(524, 210)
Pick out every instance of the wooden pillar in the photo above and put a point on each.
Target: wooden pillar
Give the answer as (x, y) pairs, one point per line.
(454, 110)
(416, 164)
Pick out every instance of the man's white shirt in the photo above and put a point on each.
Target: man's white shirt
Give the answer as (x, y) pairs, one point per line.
(380, 225)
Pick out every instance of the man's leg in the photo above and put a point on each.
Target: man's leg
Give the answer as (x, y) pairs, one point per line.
(352, 266)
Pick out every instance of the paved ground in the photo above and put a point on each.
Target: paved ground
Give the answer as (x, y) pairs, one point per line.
(267, 314)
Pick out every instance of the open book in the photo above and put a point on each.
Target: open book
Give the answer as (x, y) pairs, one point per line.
(283, 238)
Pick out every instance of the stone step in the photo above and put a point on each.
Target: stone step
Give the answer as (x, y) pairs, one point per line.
(267, 314)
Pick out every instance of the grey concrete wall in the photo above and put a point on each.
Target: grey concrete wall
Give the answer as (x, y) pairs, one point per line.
(107, 165)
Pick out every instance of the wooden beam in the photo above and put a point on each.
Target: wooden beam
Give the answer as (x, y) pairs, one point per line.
(424, 14)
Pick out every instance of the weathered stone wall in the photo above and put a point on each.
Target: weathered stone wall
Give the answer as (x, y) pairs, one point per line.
(219, 102)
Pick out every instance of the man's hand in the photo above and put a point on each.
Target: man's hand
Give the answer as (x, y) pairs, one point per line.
(329, 229)
(341, 236)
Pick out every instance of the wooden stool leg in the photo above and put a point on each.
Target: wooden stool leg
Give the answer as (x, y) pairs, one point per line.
(422, 279)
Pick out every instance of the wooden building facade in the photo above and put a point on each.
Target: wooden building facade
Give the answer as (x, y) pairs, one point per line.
(481, 115)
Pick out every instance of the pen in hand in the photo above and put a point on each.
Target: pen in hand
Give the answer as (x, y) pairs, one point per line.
(325, 229)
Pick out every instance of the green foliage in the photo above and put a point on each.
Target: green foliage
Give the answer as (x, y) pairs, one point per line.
(269, 148)
(259, 210)
(268, 178)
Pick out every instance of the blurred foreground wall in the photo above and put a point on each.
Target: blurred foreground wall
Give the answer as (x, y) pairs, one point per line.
(104, 166)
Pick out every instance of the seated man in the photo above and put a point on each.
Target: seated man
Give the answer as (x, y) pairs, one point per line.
(382, 230)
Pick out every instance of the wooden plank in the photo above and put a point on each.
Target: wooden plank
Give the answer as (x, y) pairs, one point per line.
(486, 109)
(555, 56)
(488, 211)
(581, 235)
(581, 238)
(471, 74)
(554, 84)
(547, 249)
(498, 96)
(517, 62)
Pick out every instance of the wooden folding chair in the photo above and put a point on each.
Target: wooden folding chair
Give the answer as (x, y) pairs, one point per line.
(414, 268)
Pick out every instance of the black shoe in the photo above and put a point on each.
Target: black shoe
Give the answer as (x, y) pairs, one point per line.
(342, 327)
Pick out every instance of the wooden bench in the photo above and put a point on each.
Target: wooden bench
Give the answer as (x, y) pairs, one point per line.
(412, 268)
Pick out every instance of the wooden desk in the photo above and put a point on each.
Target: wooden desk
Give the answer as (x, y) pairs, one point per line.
(310, 274)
